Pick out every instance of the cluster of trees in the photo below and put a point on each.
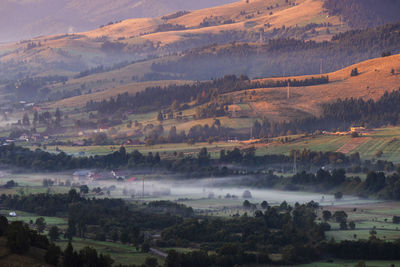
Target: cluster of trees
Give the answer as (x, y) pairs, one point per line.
(189, 165)
(197, 133)
(33, 88)
(109, 219)
(20, 238)
(101, 69)
(154, 97)
(371, 113)
(201, 92)
(270, 230)
(165, 27)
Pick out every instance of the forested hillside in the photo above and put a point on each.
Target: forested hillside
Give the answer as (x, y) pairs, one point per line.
(282, 57)
(365, 13)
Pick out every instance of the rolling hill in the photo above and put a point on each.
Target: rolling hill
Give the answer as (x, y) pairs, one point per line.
(253, 21)
(30, 18)
(375, 77)
(133, 39)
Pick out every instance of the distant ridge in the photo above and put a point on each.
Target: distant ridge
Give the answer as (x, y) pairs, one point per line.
(26, 19)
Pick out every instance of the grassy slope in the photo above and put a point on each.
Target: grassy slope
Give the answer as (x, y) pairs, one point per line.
(374, 79)
(84, 46)
(305, 12)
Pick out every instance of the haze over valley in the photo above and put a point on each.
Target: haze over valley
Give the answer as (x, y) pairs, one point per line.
(208, 133)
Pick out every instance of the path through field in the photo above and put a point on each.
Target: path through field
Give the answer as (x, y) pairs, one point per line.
(353, 144)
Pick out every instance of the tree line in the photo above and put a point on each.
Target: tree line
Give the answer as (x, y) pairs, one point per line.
(202, 92)
(339, 115)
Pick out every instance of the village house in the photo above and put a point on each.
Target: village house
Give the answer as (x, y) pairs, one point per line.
(24, 137)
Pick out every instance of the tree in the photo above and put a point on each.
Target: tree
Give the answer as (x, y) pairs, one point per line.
(100, 139)
(53, 254)
(172, 135)
(264, 204)
(204, 157)
(151, 262)
(340, 216)
(40, 224)
(352, 225)
(338, 195)
(3, 225)
(396, 219)
(18, 238)
(70, 258)
(84, 189)
(173, 259)
(25, 120)
(326, 215)
(160, 116)
(247, 194)
(246, 204)
(58, 116)
(343, 225)
(146, 246)
(54, 233)
(354, 72)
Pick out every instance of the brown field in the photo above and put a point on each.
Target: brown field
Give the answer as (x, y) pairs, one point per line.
(353, 144)
(305, 12)
(374, 79)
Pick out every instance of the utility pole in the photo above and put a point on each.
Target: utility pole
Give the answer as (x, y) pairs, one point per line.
(320, 67)
(288, 90)
(294, 162)
(143, 190)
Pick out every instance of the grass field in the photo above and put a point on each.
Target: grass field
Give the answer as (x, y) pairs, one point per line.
(385, 140)
(376, 216)
(27, 217)
(343, 263)
(120, 253)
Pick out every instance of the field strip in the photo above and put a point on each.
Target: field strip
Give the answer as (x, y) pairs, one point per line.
(353, 144)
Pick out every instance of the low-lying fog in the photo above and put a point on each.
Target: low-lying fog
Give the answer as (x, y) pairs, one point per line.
(165, 187)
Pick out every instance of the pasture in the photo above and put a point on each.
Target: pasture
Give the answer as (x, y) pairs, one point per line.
(120, 253)
(372, 216)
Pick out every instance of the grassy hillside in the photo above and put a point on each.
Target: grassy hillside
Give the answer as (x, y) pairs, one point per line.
(375, 77)
(137, 38)
(50, 17)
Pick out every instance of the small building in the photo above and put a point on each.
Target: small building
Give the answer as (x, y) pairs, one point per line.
(357, 129)
(82, 175)
(24, 137)
(12, 214)
(103, 129)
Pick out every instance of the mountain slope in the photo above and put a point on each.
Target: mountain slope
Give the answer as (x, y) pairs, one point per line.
(375, 77)
(133, 39)
(29, 18)
(365, 13)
